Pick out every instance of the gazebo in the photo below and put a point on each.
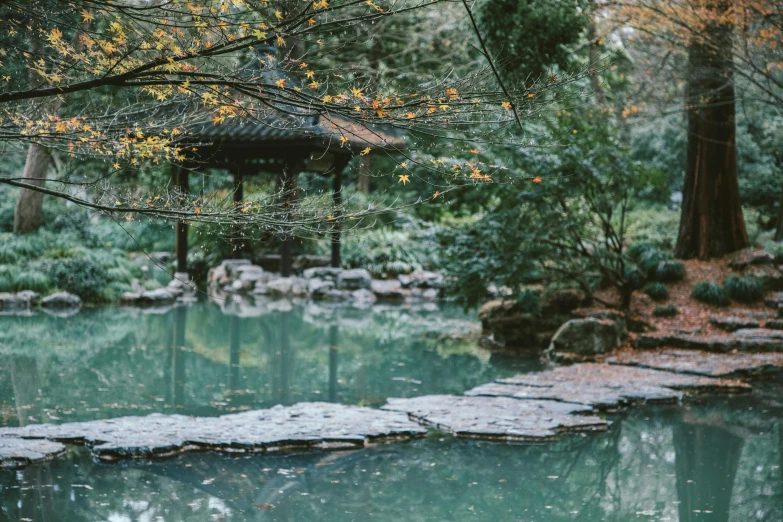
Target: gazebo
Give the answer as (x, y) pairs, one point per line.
(282, 147)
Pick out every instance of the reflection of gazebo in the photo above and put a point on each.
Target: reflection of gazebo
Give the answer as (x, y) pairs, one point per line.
(283, 147)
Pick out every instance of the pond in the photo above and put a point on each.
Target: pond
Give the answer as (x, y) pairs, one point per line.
(716, 459)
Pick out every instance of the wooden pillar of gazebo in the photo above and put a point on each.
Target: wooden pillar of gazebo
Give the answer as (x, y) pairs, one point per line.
(288, 187)
(337, 198)
(237, 241)
(180, 175)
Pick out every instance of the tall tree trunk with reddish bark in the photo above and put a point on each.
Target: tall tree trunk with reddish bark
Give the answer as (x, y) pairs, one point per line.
(712, 223)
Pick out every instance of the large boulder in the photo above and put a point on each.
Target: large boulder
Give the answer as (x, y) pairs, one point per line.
(280, 287)
(318, 288)
(355, 279)
(9, 301)
(159, 296)
(510, 326)
(585, 338)
(61, 300)
(329, 273)
(741, 259)
(388, 290)
(304, 262)
(424, 279)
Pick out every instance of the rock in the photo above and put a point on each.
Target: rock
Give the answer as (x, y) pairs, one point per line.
(702, 363)
(28, 295)
(354, 279)
(771, 275)
(749, 256)
(232, 265)
(606, 386)
(743, 340)
(336, 295)
(318, 288)
(563, 301)
(498, 418)
(759, 332)
(280, 287)
(302, 426)
(327, 272)
(585, 338)
(774, 300)
(424, 279)
(17, 453)
(61, 300)
(363, 296)
(9, 302)
(303, 262)
(237, 285)
(218, 276)
(299, 287)
(157, 297)
(511, 327)
(388, 290)
(732, 323)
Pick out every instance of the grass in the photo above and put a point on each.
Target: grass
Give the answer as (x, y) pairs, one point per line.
(669, 270)
(665, 311)
(656, 290)
(745, 289)
(710, 293)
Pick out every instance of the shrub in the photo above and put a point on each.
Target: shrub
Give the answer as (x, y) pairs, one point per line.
(744, 289)
(666, 311)
(635, 278)
(83, 277)
(384, 252)
(8, 275)
(32, 280)
(656, 290)
(7, 255)
(710, 293)
(669, 270)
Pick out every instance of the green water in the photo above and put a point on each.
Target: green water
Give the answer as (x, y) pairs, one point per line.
(712, 460)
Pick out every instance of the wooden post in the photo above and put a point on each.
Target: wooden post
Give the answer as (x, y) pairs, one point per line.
(288, 185)
(337, 198)
(181, 234)
(237, 240)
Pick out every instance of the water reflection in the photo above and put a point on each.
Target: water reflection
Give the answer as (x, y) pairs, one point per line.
(200, 360)
(711, 462)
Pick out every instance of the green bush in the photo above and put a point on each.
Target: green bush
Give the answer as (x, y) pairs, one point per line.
(744, 289)
(635, 278)
(83, 277)
(32, 280)
(669, 270)
(7, 255)
(710, 293)
(666, 311)
(8, 274)
(656, 290)
(385, 252)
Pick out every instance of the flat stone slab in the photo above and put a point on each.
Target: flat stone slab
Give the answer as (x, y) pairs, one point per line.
(499, 418)
(304, 425)
(743, 340)
(17, 453)
(606, 386)
(702, 363)
(731, 323)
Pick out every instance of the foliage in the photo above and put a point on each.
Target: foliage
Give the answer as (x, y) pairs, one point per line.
(745, 289)
(530, 37)
(710, 293)
(656, 290)
(669, 270)
(654, 225)
(32, 280)
(666, 311)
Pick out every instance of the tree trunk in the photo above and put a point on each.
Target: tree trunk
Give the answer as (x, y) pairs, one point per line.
(28, 214)
(711, 224)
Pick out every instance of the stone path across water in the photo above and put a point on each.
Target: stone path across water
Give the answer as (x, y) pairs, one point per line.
(535, 406)
(499, 417)
(700, 363)
(304, 425)
(605, 386)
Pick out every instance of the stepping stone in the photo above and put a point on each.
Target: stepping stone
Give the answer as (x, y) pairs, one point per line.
(733, 323)
(749, 256)
(499, 418)
(774, 300)
(702, 363)
(743, 340)
(606, 386)
(305, 425)
(17, 453)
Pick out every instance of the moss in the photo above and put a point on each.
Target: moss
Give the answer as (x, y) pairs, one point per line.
(710, 293)
(745, 289)
(666, 311)
(656, 290)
